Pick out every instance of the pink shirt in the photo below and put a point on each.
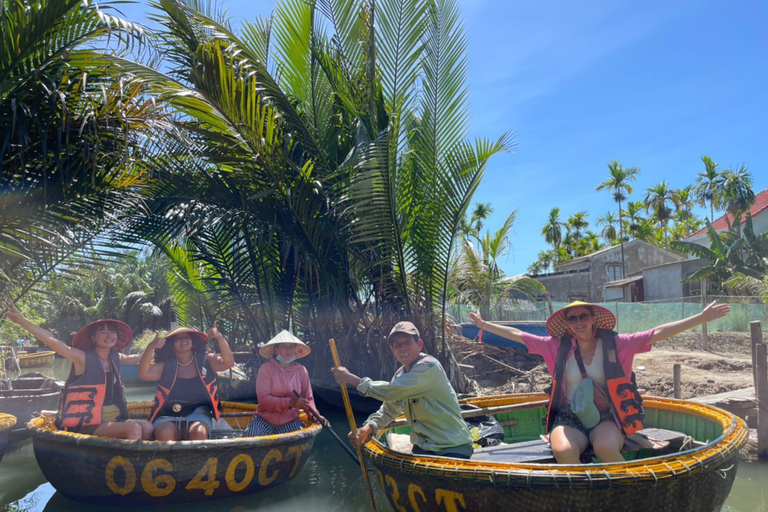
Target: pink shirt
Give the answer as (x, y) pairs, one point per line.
(627, 345)
(274, 389)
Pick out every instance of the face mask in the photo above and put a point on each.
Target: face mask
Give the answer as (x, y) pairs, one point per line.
(284, 361)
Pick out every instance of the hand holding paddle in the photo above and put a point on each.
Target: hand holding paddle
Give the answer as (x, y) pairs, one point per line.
(327, 424)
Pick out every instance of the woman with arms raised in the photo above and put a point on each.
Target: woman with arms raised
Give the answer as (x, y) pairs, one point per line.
(582, 346)
(187, 398)
(93, 401)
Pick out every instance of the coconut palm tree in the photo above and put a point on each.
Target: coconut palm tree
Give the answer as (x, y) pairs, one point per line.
(734, 192)
(658, 198)
(575, 225)
(553, 231)
(609, 222)
(633, 215)
(72, 131)
(619, 181)
(684, 201)
(706, 185)
(324, 172)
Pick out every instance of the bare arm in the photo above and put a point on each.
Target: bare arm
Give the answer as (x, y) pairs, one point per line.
(75, 355)
(511, 333)
(711, 312)
(225, 360)
(147, 370)
(130, 359)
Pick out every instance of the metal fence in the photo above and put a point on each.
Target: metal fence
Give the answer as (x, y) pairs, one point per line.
(635, 316)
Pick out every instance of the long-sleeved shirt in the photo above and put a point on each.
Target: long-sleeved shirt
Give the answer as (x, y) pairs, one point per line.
(429, 402)
(274, 389)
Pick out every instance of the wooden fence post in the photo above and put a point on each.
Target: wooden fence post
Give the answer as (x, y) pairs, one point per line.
(676, 380)
(756, 335)
(704, 337)
(761, 392)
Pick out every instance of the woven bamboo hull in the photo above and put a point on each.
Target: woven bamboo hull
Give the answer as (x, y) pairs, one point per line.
(24, 396)
(7, 421)
(119, 472)
(694, 480)
(37, 359)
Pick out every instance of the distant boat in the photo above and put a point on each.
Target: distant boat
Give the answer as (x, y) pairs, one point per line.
(25, 395)
(37, 359)
(6, 422)
(469, 330)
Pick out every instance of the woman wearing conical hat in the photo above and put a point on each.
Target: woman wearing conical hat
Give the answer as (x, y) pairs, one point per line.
(186, 398)
(92, 401)
(594, 399)
(279, 407)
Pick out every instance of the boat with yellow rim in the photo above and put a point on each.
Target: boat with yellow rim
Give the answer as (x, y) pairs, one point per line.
(37, 359)
(7, 421)
(684, 460)
(121, 472)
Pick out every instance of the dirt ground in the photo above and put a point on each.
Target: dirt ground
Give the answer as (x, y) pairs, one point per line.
(726, 366)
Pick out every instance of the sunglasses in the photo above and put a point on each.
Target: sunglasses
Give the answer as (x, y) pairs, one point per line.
(581, 318)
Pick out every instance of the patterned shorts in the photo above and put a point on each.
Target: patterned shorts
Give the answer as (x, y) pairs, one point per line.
(261, 427)
(567, 418)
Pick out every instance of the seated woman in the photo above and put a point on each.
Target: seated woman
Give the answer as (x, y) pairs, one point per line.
(582, 344)
(278, 411)
(187, 390)
(96, 359)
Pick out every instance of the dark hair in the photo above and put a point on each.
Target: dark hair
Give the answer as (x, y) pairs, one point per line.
(169, 351)
(95, 328)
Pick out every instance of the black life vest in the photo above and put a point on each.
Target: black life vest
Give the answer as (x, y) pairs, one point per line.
(626, 402)
(83, 396)
(168, 378)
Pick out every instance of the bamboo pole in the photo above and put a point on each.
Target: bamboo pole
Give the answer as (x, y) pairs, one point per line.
(353, 426)
(676, 380)
(704, 336)
(761, 391)
(756, 335)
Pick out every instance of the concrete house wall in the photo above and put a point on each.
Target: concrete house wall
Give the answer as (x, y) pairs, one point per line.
(663, 282)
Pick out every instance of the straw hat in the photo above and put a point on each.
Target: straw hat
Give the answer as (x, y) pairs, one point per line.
(268, 349)
(199, 341)
(82, 339)
(557, 326)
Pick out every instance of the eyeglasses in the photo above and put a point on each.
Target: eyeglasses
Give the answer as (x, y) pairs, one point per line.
(581, 318)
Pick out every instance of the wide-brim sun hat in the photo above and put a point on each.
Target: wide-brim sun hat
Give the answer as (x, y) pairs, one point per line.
(557, 326)
(199, 341)
(268, 349)
(82, 339)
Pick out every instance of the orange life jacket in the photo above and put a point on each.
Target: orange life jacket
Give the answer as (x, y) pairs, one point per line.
(83, 396)
(626, 402)
(168, 378)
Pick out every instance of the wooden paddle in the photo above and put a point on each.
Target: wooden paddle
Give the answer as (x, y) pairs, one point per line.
(316, 416)
(353, 426)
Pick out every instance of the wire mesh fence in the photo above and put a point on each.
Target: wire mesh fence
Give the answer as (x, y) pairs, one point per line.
(634, 316)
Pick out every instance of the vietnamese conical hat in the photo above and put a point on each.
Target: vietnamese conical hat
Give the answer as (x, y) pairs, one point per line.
(557, 326)
(268, 349)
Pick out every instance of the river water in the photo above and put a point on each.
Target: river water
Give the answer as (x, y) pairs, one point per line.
(329, 482)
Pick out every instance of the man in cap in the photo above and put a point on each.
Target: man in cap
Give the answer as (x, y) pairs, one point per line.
(419, 388)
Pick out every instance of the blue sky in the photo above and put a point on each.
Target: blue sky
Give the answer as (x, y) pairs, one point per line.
(652, 84)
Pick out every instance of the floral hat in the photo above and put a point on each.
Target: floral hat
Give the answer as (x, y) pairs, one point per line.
(267, 350)
(82, 339)
(557, 326)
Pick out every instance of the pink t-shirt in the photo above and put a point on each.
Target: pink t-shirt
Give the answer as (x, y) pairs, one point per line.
(274, 389)
(627, 345)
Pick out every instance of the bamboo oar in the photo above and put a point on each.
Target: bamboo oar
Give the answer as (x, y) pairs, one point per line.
(353, 426)
(316, 416)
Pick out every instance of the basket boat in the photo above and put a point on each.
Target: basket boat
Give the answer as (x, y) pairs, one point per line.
(696, 477)
(121, 472)
(37, 359)
(26, 394)
(7, 421)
